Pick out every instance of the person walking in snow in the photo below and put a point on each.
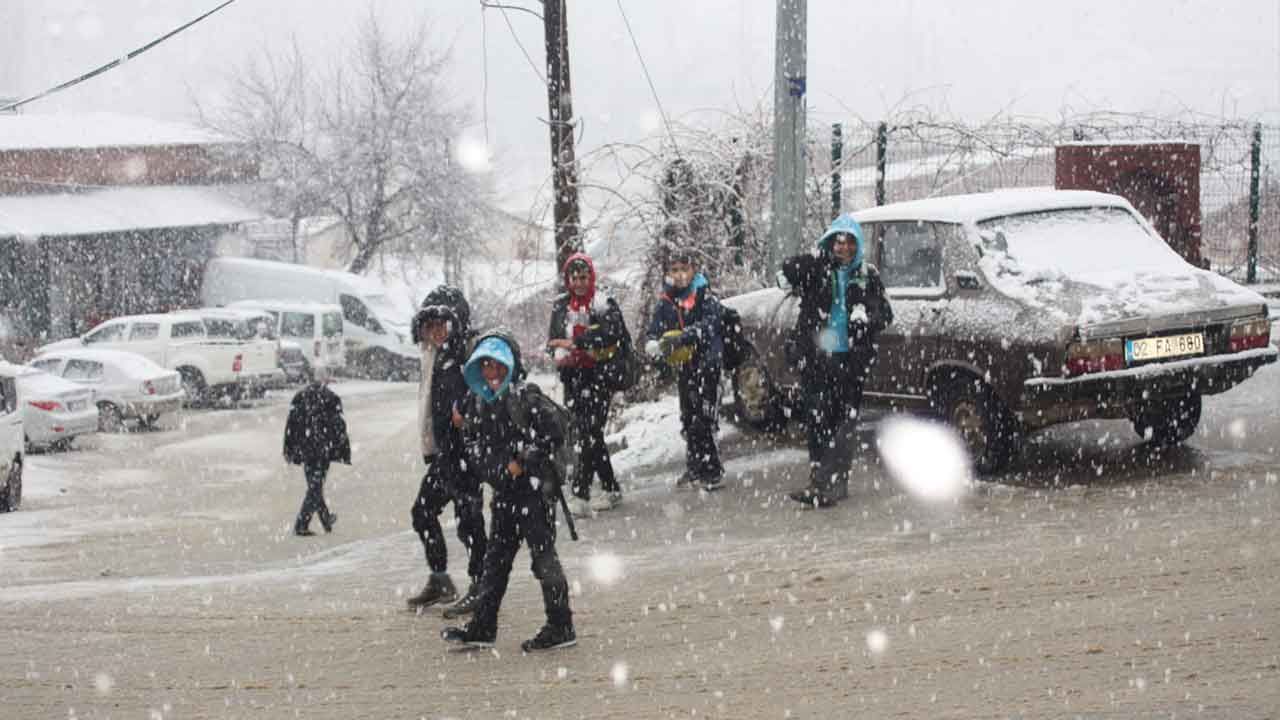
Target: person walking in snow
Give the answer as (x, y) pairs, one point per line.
(315, 435)
(843, 308)
(585, 339)
(441, 329)
(513, 435)
(687, 332)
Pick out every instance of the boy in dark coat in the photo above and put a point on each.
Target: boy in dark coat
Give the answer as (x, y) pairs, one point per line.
(842, 309)
(441, 329)
(687, 330)
(315, 435)
(513, 434)
(585, 338)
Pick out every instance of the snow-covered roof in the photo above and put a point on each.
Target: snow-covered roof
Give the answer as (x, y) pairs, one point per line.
(97, 130)
(982, 206)
(121, 209)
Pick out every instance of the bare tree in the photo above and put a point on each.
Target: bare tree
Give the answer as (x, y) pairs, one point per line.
(368, 141)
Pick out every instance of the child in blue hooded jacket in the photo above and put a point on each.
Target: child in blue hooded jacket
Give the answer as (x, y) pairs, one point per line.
(687, 331)
(512, 434)
(843, 308)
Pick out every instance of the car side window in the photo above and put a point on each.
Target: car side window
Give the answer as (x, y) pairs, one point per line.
(144, 331)
(107, 333)
(353, 310)
(8, 395)
(83, 370)
(299, 325)
(332, 324)
(186, 330)
(910, 254)
(49, 366)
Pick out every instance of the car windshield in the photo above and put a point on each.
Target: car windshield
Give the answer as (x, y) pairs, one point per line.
(1073, 243)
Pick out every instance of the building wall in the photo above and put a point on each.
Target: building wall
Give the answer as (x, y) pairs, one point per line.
(46, 170)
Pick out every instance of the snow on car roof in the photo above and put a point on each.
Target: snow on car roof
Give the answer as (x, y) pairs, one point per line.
(122, 359)
(976, 207)
(285, 306)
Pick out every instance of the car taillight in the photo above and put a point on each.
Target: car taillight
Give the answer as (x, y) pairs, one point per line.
(1249, 334)
(1091, 356)
(148, 388)
(317, 349)
(46, 405)
(237, 364)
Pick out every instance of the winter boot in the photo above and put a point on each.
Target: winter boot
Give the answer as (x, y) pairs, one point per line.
(329, 522)
(685, 481)
(812, 497)
(439, 589)
(713, 482)
(606, 501)
(551, 637)
(468, 636)
(579, 507)
(467, 604)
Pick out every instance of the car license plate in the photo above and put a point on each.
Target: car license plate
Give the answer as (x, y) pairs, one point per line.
(1154, 348)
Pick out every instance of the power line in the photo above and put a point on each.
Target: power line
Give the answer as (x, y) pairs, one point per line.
(114, 63)
(649, 79)
(503, 9)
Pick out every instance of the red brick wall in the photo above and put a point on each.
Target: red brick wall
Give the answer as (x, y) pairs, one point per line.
(54, 170)
(1162, 180)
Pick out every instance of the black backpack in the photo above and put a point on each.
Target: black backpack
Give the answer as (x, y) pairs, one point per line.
(522, 405)
(626, 367)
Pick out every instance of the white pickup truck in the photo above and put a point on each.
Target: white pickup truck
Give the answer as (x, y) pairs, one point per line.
(210, 367)
(254, 332)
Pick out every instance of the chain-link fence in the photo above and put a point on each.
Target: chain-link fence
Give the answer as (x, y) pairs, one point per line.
(922, 158)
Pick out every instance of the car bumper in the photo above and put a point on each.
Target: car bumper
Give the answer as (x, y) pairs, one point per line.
(48, 428)
(158, 405)
(266, 380)
(1118, 393)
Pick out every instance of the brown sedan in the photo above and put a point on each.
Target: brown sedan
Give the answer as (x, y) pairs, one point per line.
(1020, 309)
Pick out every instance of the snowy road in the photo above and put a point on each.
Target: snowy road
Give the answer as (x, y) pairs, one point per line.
(154, 575)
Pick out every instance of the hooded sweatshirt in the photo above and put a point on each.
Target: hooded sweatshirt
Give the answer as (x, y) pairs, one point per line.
(442, 384)
(835, 337)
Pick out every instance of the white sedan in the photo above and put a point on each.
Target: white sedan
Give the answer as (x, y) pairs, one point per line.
(125, 385)
(54, 410)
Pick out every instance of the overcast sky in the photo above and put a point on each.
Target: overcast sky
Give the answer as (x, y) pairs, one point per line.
(1220, 57)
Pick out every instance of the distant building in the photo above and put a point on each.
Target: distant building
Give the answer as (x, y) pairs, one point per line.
(104, 215)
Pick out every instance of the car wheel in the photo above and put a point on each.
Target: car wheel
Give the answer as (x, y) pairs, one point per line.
(11, 493)
(193, 385)
(756, 402)
(1168, 421)
(149, 421)
(110, 420)
(377, 365)
(986, 428)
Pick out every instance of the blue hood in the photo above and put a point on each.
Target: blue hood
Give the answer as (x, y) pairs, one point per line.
(699, 281)
(843, 224)
(490, 347)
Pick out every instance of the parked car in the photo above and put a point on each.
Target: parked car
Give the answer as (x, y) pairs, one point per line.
(54, 411)
(375, 332)
(11, 441)
(316, 328)
(126, 386)
(209, 367)
(253, 333)
(1020, 309)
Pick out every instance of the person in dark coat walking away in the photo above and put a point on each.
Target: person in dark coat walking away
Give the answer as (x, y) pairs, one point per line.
(585, 339)
(441, 329)
(687, 331)
(514, 434)
(314, 436)
(843, 308)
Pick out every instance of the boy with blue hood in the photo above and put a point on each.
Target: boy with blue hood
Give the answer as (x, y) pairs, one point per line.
(512, 434)
(687, 331)
(842, 309)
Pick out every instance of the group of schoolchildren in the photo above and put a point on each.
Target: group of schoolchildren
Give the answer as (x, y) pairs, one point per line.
(481, 423)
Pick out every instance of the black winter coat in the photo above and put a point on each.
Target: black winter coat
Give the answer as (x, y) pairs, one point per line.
(812, 277)
(316, 431)
(703, 327)
(448, 388)
(495, 435)
(607, 328)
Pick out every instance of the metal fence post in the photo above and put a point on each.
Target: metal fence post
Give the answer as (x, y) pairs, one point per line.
(882, 149)
(1255, 193)
(837, 153)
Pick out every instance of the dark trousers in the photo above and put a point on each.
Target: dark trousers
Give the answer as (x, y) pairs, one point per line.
(699, 390)
(446, 482)
(313, 502)
(833, 400)
(587, 399)
(529, 519)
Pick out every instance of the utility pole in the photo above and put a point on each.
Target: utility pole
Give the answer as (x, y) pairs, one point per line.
(564, 166)
(790, 61)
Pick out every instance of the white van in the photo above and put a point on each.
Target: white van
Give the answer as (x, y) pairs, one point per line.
(315, 328)
(11, 438)
(375, 333)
